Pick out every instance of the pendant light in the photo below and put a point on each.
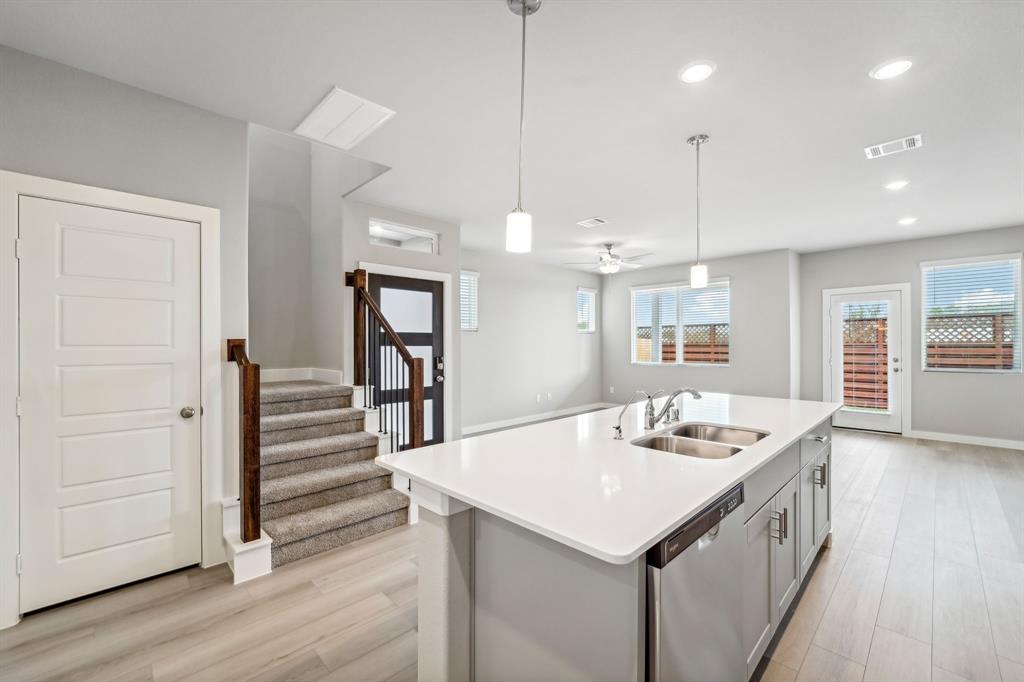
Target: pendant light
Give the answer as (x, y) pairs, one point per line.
(698, 271)
(519, 223)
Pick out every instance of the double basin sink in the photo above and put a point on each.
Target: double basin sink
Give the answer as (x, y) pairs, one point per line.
(707, 441)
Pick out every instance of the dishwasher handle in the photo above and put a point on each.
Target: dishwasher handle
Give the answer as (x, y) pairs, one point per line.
(694, 529)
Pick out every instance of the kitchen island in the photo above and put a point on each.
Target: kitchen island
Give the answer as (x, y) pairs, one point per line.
(533, 541)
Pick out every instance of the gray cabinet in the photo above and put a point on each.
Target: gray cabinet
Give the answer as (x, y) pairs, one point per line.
(822, 470)
(785, 555)
(771, 570)
(808, 484)
(758, 626)
(784, 535)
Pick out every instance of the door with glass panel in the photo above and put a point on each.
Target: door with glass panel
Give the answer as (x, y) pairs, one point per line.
(864, 360)
(415, 310)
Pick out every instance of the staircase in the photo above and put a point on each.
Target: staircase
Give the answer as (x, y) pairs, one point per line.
(319, 486)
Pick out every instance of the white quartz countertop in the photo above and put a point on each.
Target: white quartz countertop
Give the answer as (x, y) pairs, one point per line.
(570, 481)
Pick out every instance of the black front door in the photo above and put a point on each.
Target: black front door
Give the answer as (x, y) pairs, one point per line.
(415, 309)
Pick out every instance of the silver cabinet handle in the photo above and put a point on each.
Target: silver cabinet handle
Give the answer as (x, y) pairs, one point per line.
(187, 412)
(776, 516)
(822, 475)
(785, 522)
(820, 439)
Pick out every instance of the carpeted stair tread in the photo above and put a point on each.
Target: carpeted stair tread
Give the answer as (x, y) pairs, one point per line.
(294, 420)
(278, 391)
(307, 482)
(306, 524)
(312, 447)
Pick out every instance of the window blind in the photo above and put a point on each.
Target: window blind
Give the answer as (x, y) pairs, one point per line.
(469, 319)
(586, 313)
(703, 335)
(972, 315)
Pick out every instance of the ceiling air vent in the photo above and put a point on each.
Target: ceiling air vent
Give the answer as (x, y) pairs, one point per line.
(343, 120)
(903, 144)
(592, 222)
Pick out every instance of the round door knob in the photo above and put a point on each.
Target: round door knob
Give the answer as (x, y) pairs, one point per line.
(187, 412)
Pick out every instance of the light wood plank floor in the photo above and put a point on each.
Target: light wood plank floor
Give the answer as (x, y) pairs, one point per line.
(924, 581)
(925, 576)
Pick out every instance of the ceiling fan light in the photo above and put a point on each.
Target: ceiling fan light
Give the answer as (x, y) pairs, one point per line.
(698, 276)
(518, 232)
(609, 267)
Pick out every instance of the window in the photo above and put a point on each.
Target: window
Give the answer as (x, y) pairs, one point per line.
(679, 325)
(971, 311)
(586, 310)
(469, 319)
(383, 233)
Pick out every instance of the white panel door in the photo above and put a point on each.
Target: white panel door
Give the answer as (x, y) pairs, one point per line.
(110, 353)
(865, 363)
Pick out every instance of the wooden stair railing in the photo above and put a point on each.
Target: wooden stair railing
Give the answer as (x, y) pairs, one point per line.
(248, 440)
(391, 377)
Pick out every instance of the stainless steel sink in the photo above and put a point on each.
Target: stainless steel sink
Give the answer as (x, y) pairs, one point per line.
(688, 446)
(718, 434)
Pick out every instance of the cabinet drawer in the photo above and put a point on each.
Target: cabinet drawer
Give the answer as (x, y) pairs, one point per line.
(814, 441)
(762, 485)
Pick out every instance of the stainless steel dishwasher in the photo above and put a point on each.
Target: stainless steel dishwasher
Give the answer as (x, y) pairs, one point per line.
(695, 598)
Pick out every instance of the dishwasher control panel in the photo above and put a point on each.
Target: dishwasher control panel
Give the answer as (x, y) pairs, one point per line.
(695, 528)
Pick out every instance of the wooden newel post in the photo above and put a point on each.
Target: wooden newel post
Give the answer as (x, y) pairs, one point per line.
(359, 284)
(248, 441)
(416, 404)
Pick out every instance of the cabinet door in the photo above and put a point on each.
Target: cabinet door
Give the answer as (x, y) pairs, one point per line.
(758, 625)
(823, 496)
(806, 528)
(786, 566)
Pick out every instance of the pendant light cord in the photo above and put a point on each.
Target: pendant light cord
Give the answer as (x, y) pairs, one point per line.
(522, 113)
(698, 201)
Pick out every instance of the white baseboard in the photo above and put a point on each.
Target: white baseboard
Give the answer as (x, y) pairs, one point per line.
(330, 376)
(247, 560)
(530, 418)
(967, 440)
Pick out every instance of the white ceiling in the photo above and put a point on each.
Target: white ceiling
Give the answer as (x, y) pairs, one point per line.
(789, 109)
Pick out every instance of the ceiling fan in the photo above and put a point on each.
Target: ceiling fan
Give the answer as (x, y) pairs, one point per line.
(608, 262)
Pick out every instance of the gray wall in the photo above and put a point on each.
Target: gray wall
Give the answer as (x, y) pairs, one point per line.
(280, 253)
(62, 123)
(326, 269)
(759, 334)
(527, 343)
(987, 405)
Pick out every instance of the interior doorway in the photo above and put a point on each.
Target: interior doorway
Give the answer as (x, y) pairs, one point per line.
(866, 354)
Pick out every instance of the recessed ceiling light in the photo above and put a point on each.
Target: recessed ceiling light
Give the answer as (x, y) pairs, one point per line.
(896, 185)
(695, 72)
(891, 69)
(909, 220)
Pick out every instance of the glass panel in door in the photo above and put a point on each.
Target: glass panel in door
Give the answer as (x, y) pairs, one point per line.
(864, 350)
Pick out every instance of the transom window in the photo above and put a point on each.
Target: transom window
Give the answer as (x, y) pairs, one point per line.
(971, 314)
(678, 325)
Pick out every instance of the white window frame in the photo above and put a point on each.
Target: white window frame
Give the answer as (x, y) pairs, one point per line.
(476, 301)
(412, 230)
(593, 310)
(924, 265)
(680, 352)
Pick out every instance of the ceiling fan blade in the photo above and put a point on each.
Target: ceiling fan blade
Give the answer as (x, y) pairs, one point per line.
(627, 264)
(589, 262)
(638, 257)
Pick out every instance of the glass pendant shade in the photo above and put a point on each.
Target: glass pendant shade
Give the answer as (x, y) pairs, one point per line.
(518, 232)
(698, 276)
(609, 267)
